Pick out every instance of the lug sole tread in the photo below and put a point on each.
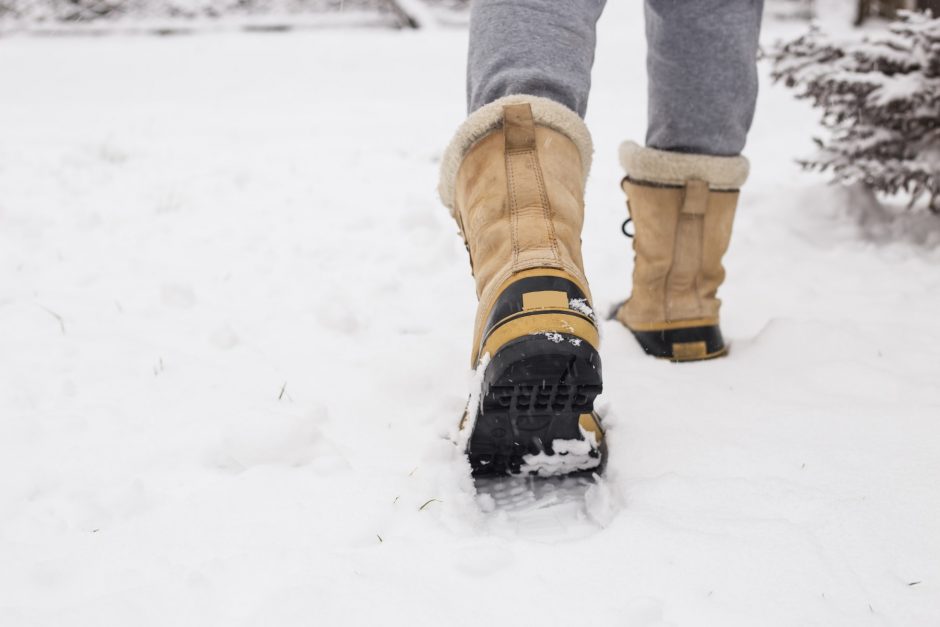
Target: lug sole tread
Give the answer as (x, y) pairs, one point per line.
(535, 391)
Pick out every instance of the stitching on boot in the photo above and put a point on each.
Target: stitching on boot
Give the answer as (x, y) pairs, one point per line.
(697, 213)
(531, 155)
(672, 264)
(547, 212)
(700, 221)
(513, 216)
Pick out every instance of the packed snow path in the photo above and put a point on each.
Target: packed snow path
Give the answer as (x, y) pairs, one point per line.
(234, 332)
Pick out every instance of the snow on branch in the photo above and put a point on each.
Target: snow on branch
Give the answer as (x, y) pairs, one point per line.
(880, 101)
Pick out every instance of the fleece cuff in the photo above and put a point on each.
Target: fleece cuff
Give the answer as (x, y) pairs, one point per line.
(545, 112)
(675, 168)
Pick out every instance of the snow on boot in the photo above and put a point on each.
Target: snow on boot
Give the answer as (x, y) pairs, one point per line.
(513, 177)
(682, 209)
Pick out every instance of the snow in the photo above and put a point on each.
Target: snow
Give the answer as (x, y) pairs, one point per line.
(470, 412)
(234, 337)
(903, 87)
(580, 305)
(569, 456)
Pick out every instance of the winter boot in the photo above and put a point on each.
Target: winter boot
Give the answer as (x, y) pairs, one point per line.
(682, 208)
(513, 177)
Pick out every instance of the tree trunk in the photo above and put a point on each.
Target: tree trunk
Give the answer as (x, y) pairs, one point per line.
(929, 5)
(411, 13)
(862, 11)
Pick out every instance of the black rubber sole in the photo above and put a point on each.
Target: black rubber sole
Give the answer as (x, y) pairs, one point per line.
(535, 390)
(691, 344)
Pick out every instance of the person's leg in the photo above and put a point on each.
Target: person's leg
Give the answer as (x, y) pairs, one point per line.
(532, 47)
(513, 177)
(702, 71)
(682, 187)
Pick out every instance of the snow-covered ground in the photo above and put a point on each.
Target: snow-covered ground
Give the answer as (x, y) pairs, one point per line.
(234, 339)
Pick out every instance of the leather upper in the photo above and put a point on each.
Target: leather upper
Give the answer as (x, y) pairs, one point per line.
(519, 202)
(681, 235)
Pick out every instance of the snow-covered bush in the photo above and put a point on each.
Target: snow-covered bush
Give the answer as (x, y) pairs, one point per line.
(880, 97)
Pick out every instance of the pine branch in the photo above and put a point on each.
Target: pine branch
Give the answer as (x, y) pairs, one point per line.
(880, 101)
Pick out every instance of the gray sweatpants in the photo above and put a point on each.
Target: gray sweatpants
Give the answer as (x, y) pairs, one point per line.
(701, 63)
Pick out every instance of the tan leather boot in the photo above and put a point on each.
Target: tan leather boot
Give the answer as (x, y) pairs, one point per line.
(682, 208)
(513, 178)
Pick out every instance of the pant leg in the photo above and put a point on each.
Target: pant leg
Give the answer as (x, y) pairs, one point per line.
(702, 67)
(533, 47)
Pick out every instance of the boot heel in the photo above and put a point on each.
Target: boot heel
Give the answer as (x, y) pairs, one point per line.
(536, 413)
(689, 344)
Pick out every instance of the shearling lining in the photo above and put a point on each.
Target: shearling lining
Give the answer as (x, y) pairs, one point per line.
(675, 168)
(545, 112)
